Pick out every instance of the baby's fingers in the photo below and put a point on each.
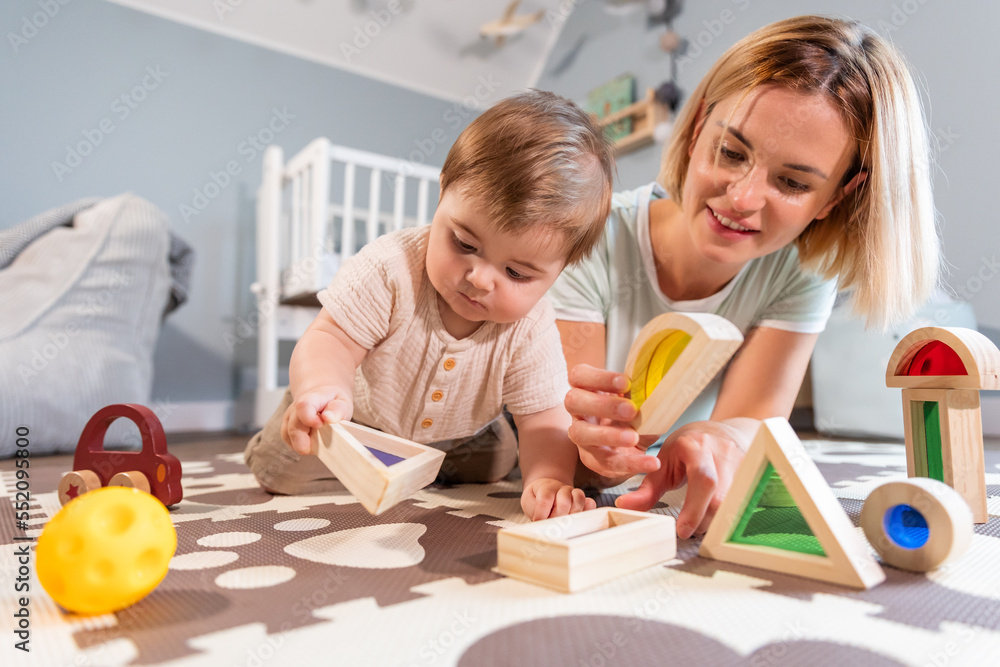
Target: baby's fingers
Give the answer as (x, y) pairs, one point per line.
(307, 412)
(581, 502)
(570, 500)
(335, 411)
(299, 437)
(544, 500)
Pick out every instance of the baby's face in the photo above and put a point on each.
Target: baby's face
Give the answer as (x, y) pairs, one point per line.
(484, 275)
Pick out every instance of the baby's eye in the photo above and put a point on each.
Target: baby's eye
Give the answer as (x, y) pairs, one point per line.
(462, 245)
(517, 276)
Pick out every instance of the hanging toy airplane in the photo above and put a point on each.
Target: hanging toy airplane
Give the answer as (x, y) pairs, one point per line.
(510, 24)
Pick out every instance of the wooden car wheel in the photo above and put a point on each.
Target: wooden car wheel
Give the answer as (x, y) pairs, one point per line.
(76, 483)
(133, 479)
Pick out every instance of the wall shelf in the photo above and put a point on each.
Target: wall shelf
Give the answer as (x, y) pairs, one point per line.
(645, 114)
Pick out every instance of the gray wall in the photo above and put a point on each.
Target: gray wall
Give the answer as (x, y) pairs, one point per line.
(951, 45)
(68, 76)
(209, 95)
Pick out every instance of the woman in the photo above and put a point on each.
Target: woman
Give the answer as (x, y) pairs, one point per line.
(799, 166)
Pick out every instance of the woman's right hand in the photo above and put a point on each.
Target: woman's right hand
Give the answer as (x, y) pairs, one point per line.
(601, 428)
(310, 410)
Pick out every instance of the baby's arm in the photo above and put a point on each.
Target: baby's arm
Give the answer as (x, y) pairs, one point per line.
(548, 462)
(321, 379)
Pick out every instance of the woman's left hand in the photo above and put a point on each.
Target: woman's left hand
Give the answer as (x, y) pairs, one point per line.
(704, 454)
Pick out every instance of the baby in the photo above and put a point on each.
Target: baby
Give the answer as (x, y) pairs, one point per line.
(435, 333)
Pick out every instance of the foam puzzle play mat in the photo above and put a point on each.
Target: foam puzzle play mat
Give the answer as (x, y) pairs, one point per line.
(257, 579)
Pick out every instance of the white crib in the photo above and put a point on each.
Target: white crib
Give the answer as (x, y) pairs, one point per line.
(314, 212)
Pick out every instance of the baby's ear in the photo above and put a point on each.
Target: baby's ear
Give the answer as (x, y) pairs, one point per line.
(848, 188)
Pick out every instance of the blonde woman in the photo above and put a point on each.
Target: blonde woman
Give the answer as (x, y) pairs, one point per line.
(799, 167)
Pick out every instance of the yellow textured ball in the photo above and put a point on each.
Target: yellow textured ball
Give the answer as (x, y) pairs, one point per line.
(105, 550)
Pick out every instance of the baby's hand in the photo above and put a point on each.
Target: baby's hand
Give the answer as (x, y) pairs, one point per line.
(310, 410)
(544, 498)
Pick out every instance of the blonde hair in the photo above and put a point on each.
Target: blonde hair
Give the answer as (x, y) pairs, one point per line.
(536, 159)
(881, 238)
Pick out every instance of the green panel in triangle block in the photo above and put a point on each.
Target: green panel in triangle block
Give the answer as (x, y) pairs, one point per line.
(772, 519)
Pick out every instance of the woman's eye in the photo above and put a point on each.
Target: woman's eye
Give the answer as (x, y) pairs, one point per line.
(517, 276)
(730, 155)
(795, 186)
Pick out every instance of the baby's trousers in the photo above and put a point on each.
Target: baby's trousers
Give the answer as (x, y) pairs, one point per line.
(487, 456)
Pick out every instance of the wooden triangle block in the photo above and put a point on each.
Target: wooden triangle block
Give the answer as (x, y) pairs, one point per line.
(396, 469)
(671, 360)
(828, 549)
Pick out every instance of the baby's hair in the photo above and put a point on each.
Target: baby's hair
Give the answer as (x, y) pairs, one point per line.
(881, 238)
(536, 160)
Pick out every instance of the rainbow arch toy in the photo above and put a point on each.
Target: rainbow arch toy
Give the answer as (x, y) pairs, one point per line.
(672, 360)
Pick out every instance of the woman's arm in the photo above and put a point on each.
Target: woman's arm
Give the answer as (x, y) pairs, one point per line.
(583, 343)
(761, 382)
(764, 378)
(600, 429)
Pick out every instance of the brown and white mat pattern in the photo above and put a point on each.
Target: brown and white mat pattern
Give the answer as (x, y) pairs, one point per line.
(262, 580)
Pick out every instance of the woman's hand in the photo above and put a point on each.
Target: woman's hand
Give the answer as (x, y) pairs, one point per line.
(705, 455)
(544, 498)
(311, 410)
(608, 445)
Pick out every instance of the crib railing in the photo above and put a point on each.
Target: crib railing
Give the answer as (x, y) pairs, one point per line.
(309, 222)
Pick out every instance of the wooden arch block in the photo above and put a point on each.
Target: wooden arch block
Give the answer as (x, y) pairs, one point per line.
(672, 360)
(827, 547)
(941, 348)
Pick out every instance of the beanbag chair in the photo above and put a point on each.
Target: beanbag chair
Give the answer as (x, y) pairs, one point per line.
(85, 288)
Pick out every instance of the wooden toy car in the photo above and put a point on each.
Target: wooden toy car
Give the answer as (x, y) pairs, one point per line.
(152, 469)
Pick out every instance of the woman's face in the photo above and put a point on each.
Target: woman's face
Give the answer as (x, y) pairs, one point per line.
(753, 186)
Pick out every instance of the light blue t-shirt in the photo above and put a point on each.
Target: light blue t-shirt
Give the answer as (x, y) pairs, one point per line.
(617, 286)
